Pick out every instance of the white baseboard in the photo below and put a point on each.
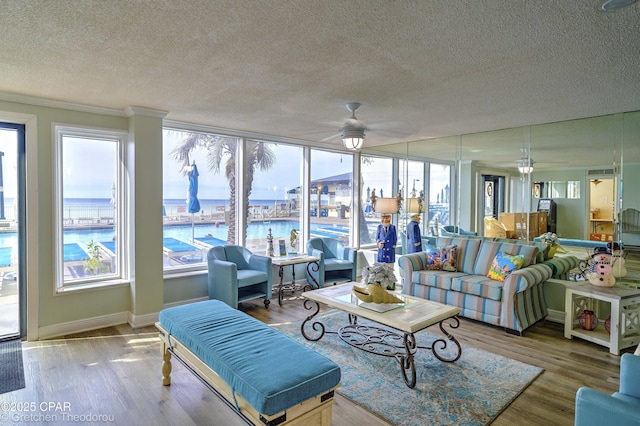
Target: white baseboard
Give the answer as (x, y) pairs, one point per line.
(136, 321)
(88, 324)
(555, 316)
(71, 327)
(184, 302)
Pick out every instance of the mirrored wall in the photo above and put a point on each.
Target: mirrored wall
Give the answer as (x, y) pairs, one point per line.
(580, 165)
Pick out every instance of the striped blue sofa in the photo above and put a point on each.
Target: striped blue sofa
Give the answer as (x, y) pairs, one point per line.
(515, 304)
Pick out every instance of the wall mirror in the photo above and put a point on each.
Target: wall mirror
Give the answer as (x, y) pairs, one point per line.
(565, 156)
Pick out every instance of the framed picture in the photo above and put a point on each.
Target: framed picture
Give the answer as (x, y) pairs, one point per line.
(283, 248)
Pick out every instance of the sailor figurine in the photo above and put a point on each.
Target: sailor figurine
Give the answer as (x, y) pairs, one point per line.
(386, 239)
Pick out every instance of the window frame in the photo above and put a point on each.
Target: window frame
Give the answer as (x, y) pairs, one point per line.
(121, 276)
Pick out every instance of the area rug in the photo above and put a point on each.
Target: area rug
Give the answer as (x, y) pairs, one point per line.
(471, 391)
(11, 368)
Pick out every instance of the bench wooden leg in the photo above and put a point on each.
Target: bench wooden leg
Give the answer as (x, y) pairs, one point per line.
(166, 366)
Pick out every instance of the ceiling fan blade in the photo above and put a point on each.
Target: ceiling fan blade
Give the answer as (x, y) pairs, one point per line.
(332, 137)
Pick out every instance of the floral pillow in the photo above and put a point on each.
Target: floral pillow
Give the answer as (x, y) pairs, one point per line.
(442, 258)
(449, 258)
(503, 265)
(433, 260)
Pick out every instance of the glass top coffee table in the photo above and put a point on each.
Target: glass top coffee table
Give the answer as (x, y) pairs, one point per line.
(399, 320)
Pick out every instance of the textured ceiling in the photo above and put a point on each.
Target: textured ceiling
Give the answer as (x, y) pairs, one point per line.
(421, 68)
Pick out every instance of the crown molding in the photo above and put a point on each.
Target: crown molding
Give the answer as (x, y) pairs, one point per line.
(131, 110)
(50, 103)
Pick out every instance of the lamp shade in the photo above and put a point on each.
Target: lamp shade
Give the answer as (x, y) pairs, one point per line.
(386, 205)
(415, 205)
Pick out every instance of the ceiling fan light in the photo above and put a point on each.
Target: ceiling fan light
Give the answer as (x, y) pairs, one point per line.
(525, 166)
(352, 138)
(353, 144)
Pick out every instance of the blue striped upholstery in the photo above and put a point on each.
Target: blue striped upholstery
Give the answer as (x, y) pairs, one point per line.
(562, 265)
(543, 248)
(467, 251)
(439, 279)
(489, 249)
(478, 285)
(515, 304)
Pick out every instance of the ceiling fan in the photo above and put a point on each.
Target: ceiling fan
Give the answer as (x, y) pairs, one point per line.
(353, 129)
(525, 163)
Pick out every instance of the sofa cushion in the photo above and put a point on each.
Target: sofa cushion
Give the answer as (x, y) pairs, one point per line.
(467, 251)
(489, 249)
(478, 285)
(503, 264)
(439, 279)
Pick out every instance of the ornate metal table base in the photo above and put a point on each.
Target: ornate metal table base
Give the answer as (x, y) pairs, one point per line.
(311, 266)
(386, 342)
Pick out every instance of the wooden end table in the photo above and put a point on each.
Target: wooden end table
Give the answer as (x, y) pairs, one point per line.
(625, 314)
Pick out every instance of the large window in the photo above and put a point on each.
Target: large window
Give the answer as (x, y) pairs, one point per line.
(330, 194)
(273, 175)
(89, 206)
(197, 166)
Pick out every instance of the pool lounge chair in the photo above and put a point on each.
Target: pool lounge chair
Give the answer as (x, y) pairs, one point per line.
(208, 242)
(74, 259)
(108, 251)
(178, 251)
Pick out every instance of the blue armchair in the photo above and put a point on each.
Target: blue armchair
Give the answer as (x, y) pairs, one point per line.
(337, 261)
(237, 275)
(621, 408)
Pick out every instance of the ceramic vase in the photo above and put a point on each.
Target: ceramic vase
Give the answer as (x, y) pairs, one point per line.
(588, 320)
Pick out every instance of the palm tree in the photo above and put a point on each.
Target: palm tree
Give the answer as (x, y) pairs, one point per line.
(259, 155)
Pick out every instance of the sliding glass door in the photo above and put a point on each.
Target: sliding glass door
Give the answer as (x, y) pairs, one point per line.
(12, 294)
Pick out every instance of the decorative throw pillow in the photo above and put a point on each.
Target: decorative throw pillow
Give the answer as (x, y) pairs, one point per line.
(433, 260)
(449, 258)
(503, 265)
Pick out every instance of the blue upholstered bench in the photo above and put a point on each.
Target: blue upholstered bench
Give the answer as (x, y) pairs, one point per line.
(248, 363)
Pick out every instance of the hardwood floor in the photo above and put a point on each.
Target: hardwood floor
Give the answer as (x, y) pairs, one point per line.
(114, 374)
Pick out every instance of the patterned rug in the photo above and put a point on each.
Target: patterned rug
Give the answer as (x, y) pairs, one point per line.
(471, 391)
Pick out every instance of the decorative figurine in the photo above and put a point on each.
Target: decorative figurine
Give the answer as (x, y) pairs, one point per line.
(414, 235)
(601, 269)
(386, 238)
(293, 240)
(270, 244)
(375, 293)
